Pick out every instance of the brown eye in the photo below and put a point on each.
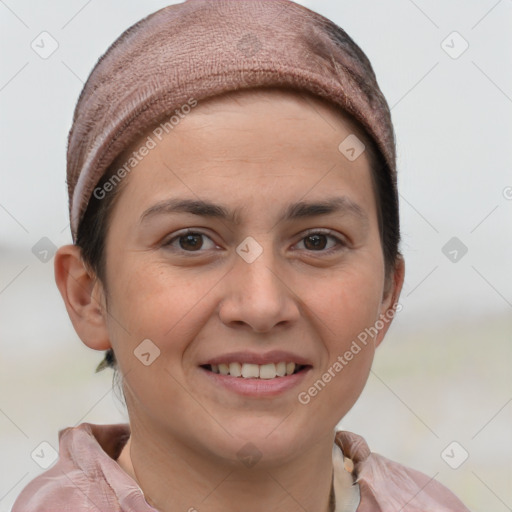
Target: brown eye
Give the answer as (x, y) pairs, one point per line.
(314, 242)
(190, 241)
(319, 241)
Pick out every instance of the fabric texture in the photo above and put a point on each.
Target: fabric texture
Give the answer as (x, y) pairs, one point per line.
(87, 477)
(198, 49)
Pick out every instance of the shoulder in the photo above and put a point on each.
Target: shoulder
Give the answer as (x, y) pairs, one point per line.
(60, 492)
(80, 479)
(392, 486)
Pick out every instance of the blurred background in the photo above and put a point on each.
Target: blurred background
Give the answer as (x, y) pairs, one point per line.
(439, 398)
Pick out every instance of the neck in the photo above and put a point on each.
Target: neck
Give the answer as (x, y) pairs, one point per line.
(174, 476)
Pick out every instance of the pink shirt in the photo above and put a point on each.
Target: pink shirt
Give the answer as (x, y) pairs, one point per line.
(87, 477)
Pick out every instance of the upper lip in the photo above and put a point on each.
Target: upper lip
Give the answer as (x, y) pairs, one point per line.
(274, 356)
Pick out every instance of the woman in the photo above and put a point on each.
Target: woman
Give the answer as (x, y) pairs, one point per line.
(234, 212)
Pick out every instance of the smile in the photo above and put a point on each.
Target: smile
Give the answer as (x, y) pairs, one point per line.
(255, 371)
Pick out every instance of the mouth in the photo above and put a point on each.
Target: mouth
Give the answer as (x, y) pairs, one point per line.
(256, 375)
(267, 371)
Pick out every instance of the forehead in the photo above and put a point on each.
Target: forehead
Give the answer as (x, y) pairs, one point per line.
(259, 138)
(243, 97)
(300, 114)
(285, 103)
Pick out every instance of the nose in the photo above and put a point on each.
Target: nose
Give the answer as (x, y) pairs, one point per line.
(257, 295)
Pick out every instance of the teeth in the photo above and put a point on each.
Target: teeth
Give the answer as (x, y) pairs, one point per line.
(235, 369)
(281, 369)
(268, 371)
(254, 371)
(250, 371)
(223, 369)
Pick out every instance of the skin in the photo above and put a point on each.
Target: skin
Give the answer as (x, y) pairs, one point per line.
(256, 152)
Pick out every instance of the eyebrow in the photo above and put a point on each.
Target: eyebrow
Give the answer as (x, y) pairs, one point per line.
(341, 205)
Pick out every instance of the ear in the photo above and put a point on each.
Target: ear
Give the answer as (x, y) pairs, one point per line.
(390, 305)
(83, 296)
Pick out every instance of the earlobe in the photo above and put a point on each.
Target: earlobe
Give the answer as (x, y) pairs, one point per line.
(83, 297)
(390, 304)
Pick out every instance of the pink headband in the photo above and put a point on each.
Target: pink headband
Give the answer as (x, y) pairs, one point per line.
(202, 48)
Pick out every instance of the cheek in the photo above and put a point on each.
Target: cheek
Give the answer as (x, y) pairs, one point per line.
(345, 311)
(347, 302)
(151, 302)
(337, 384)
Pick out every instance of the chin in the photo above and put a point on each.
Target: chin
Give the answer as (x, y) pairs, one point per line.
(271, 440)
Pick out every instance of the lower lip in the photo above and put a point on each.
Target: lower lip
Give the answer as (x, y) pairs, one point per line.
(257, 387)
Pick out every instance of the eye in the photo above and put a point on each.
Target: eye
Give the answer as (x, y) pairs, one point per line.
(318, 241)
(194, 241)
(190, 241)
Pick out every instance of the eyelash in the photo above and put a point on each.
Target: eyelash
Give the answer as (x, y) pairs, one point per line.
(340, 244)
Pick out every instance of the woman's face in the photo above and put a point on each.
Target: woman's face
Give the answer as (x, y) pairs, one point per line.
(263, 276)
